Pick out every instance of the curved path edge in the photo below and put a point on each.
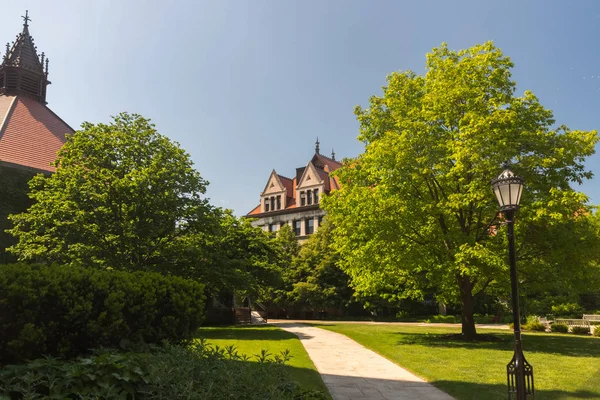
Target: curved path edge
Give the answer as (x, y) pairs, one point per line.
(352, 372)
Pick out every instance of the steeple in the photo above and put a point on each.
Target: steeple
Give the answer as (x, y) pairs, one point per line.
(22, 70)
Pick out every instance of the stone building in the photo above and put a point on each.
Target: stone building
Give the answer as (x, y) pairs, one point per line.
(296, 201)
(30, 133)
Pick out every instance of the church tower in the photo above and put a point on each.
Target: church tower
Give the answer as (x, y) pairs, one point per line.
(30, 133)
(22, 71)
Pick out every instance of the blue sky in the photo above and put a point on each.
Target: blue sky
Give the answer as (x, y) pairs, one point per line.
(247, 86)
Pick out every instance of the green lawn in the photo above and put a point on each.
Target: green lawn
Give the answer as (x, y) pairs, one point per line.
(565, 366)
(250, 340)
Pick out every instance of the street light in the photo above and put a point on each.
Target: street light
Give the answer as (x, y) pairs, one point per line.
(508, 189)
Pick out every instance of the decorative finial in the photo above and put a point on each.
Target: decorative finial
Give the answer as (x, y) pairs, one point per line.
(7, 50)
(43, 56)
(47, 60)
(317, 146)
(332, 155)
(26, 19)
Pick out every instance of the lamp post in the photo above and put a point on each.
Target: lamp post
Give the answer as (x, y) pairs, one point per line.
(508, 189)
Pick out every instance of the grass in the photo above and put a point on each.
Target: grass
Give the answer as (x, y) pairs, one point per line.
(250, 340)
(565, 366)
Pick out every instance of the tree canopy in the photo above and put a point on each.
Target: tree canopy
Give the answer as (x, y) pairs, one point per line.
(416, 209)
(121, 194)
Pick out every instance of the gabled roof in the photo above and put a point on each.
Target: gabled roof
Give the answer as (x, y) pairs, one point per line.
(320, 161)
(320, 167)
(309, 171)
(30, 133)
(276, 179)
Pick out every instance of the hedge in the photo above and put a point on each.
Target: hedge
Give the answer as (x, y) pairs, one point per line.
(67, 311)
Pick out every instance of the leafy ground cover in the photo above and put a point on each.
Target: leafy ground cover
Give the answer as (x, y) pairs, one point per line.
(197, 372)
(251, 340)
(565, 366)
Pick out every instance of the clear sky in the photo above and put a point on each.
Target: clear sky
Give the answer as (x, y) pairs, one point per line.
(246, 86)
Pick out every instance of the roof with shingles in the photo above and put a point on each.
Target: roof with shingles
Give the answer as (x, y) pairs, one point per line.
(323, 165)
(30, 133)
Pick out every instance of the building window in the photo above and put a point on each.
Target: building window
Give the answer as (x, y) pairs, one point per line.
(266, 205)
(309, 197)
(281, 224)
(309, 228)
(316, 196)
(273, 203)
(320, 220)
(279, 202)
(302, 198)
(272, 227)
(297, 227)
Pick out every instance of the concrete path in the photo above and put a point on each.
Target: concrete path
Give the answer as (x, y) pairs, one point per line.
(353, 372)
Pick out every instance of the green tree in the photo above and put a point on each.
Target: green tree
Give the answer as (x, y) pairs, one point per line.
(286, 248)
(315, 276)
(121, 196)
(415, 209)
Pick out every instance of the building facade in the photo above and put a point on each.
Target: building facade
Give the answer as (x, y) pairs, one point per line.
(296, 201)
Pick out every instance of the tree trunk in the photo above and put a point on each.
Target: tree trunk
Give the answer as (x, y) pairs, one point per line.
(466, 297)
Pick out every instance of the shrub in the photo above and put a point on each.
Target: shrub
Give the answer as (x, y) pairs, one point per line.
(596, 331)
(170, 372)
(559, 328)
(450, 319)
(581, 330)
(568, 310)
(65, 311)
(535, 326)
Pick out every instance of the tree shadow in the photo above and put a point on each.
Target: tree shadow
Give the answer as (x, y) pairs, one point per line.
(343, 386)
(247, 332)
(477, 391)
(568, 345)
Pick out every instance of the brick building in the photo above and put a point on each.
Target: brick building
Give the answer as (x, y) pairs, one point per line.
(296, 201)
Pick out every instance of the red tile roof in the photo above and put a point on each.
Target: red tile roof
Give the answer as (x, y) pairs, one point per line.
(324, 165)
(30, 133)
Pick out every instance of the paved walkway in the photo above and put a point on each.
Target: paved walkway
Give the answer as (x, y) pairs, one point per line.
(353, 372)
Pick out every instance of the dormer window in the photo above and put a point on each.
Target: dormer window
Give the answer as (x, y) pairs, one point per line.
(316, 196)
(266, 205)
(309, 197)
(279, 202)
(302, 198)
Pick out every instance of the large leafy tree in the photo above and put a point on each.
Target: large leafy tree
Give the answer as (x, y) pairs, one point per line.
(316, 278)
(416, 208)
(121, 197)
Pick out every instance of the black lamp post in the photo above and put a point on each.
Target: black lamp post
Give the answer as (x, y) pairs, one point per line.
(508, 189)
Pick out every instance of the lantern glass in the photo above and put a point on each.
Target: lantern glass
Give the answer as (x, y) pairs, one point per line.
(508, 189)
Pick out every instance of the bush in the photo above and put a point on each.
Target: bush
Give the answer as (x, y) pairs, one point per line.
(65, 311)
(534, 326)
(170, 372)
(559, 328)
(596, 331)
(450, 319)
(581, 330)
(568, 310)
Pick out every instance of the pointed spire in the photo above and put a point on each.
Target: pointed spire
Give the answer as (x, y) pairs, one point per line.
(332, 154)
(317, 146)
(22, 68)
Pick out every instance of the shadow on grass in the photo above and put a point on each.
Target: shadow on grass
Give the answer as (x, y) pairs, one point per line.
(353, 386)
(478, 391)
(248, 332)
(567, 345)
